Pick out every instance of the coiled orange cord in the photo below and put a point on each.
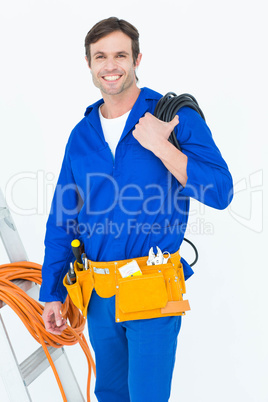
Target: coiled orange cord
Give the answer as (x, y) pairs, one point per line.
(30, 312)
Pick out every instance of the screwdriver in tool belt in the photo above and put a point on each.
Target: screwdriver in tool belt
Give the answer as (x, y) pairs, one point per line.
(77, 250)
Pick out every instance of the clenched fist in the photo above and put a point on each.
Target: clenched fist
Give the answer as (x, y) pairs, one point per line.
(152, 132)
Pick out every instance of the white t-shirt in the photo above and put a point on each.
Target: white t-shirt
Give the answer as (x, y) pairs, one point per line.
(113, 129)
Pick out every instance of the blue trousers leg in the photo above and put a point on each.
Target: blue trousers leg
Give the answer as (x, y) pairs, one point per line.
(152, 347)
(134, 359)
(111, 350)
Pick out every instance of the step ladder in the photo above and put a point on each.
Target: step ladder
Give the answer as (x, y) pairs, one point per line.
(17, 377)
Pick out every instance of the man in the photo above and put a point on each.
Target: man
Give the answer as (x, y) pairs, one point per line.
(124, 188)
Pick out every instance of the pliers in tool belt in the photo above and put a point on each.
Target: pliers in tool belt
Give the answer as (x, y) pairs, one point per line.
(158, 258)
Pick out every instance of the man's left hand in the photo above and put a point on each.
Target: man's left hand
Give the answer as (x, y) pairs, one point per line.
(152, 132)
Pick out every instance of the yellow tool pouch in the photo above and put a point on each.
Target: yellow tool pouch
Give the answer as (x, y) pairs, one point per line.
(80, 291)
(157, 292)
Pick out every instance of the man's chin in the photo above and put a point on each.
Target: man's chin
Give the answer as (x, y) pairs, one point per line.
(112, 91)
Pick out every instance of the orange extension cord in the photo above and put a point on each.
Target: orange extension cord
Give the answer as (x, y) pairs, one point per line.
(30, 312)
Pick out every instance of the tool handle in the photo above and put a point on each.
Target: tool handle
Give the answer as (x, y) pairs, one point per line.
(76, 247)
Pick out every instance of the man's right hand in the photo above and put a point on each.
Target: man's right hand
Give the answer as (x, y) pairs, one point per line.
(52, 318)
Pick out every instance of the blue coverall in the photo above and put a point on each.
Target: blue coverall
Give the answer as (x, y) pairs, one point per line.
(119, 208)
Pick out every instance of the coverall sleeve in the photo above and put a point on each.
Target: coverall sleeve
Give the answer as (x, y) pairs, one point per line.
(209, 180)
(60, 231)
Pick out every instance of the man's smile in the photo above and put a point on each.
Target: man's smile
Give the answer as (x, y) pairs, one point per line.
(111, 77)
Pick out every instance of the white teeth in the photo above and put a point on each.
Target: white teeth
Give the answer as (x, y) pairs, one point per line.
(111, 77)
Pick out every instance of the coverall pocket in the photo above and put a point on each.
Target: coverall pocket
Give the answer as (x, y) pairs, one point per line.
(140, 293)
(149, 175)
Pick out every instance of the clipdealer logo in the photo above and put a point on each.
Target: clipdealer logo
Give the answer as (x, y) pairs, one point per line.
(247, 206)
(131, 225)
(150, 199)
(39, 183)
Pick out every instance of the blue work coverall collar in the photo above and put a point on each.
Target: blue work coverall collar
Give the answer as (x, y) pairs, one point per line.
(140, 107)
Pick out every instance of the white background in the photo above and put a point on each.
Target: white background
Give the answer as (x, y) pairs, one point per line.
(216, 51)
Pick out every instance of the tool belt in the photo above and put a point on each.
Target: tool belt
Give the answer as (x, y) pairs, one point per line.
(158, 292)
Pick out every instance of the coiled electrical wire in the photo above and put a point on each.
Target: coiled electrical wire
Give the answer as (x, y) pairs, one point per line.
(30, 312)
(165, 110)
(195, 250)
(169, 105)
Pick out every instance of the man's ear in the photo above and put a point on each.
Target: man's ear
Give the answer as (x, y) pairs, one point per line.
(87, 62)
(138, 60)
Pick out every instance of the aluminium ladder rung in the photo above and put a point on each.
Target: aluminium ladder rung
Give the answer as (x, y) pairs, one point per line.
(17, 377)
(34, 365)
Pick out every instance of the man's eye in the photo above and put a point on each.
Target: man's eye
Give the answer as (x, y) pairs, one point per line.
(99, 57)
(121, 56)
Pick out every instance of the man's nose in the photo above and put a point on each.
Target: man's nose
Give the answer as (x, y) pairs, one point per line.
(110, 63)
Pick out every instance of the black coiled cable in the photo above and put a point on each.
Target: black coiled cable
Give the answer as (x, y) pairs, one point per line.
(165, 110)
(169, 105)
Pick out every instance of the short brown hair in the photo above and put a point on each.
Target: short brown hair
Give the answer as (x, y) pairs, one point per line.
(107, 26)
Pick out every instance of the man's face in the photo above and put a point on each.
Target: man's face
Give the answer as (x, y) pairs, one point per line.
(112, 66)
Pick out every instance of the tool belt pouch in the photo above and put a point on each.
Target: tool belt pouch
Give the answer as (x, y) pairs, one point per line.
(156, 293)
(80, 291)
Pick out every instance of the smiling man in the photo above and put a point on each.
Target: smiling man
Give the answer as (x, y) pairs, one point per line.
(120, 170)
(113, 70)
